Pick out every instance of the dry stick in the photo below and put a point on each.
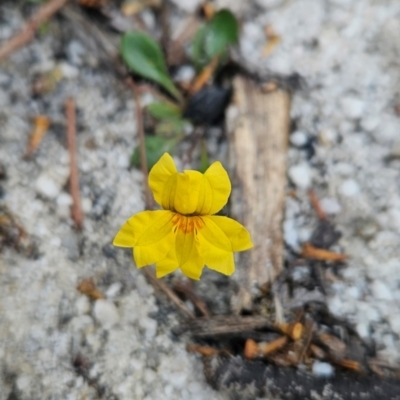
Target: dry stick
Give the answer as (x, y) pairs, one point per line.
(157, 283)
(160, 284)
(258, 129)
(76, 210)
(28, 33)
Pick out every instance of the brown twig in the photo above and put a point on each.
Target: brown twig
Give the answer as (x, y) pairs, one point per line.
(88, 288)
(76, 210)
(204, 76)
(316, 204)
(42, 124)
(309, 251)
(160, 284)
(142, 145)
(28, 33)
(187, 289)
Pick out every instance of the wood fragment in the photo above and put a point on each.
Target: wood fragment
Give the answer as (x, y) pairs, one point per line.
(88, 288)
(187, 289)
(227, 325)
(208, 10)
(309, 251)
(316, 204)
(41, 125)
(294, 330)
(350, 364)
(253, 349)
(333, 345)
(204, 77)
(161, 285)
(273, 41)
(27, 34)
(205, 351)
(258, 130)
(76, 208)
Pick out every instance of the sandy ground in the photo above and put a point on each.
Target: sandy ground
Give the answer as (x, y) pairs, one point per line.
(54, 342)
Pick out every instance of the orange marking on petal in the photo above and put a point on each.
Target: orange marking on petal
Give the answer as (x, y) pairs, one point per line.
(187, 224)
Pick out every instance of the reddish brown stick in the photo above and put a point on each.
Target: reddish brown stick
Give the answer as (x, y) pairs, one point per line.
(28, 33)
(76, 210)
(142, 146)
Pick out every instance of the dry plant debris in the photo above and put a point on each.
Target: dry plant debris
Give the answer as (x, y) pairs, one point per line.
(41, 125)
(88, 288)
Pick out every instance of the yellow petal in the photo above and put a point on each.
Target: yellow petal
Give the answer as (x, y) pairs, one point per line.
(215, 247)
(237, 234)
(168, 264)
(160, 175)
(144, 229)
(220, 185)
(186, 248)
(150, 254)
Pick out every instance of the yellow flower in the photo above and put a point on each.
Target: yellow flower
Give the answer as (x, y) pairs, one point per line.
(185, 234)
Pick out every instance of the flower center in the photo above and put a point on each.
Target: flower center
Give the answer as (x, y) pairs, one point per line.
(187, 224)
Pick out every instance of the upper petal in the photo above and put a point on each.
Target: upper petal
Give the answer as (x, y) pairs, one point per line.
(237, 234)
(220, 186)
(144, 228)
(160, 177)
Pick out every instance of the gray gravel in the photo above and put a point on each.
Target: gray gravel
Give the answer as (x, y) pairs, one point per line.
(54, 342)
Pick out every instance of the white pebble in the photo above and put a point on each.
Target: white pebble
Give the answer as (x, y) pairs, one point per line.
(47, 187)
(330, 206)
(64, 199)
(352, 107)
(177, 379)
(322, 369)
(114, 289)
(188, 5)
(349, 188)
(86, 205)
(290, 234)
(301, 175)
(185, 73)
(298, 138)
(68, 71)
(82, 305)
(150, 327)
(106, 313)
(381, 291)
(363, 330)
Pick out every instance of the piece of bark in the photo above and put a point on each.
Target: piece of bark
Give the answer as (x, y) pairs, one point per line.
(247, 380)
(226, 325)
(258, 129)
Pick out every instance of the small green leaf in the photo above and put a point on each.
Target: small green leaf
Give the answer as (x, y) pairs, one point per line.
(155, 147)
(171, 128)
(222, 31)
(214, 38)
(164, 111)
(143, 56)
(204, 160)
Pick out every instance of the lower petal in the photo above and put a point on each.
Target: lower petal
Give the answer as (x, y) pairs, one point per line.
(193, 268)
(146, 255)
(168, 264)
(219, 260)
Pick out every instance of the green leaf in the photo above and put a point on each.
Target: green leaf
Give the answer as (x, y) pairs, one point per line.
(164, 111)
(222, 31)
(171, 128)
(155, 147)
(214, 38)
(143, 56)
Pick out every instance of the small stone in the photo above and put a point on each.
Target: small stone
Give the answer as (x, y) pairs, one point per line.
(114, 289)
(290, 234)
(177, 379)
(301, 175)
(381, 291)
(106, 313)
(323, 369)
(82, 305)
(150, 327)
(363, 330)
(330, 205)
(47, 186)
(349, 188)
(75, 52)
(71, 243)
(86, 205)
(189, 6)
(352, 107)
(68, 71)
(298, 139)
(185, 74)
